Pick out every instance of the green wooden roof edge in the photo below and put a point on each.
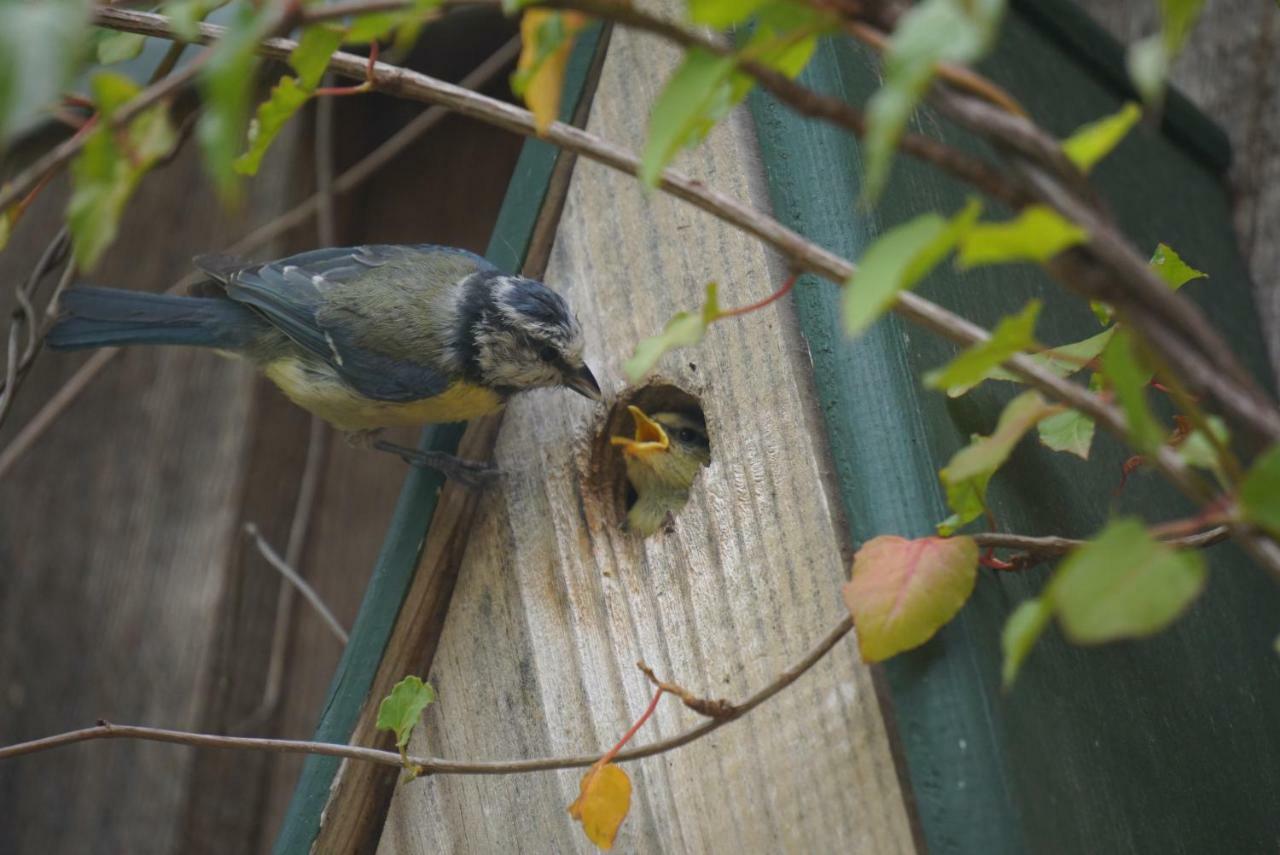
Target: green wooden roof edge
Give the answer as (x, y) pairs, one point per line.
(393, 571)
(1096, 750)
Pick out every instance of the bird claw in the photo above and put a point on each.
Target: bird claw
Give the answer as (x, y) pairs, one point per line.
(468, 473)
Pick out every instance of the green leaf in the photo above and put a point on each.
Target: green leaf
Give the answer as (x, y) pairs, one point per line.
(1123, 584)
(1260, 491)
(372, 27)
(1172, 269)
(185, 16)
(722, 13)
(784, 39)
(683, 330)
(1168, 266)
(1092, 142)
(105, 175)
(1037, 234)
(698, 95)
(705, 87)
(226, 85)
(400, 711)
(111, 91)
(1104, 313)
(1127, 377)
(40, 44)
(1070, 431)
(311, 57)
(1148, 64)
(897, 260)
(1201, 451)
(1065, 359)
(903, 591)
(1021, 631)
(1013, 334)
(286, 99)
(547, 39)
(116, 47)
(1149, 59)
(376, 26)
(970, 469)
(7, 218)
(930, 32)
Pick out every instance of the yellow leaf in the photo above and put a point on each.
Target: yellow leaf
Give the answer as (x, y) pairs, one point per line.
(602, 804)
(546, 42)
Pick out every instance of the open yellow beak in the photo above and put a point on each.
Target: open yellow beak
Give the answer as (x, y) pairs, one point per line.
(649, 437)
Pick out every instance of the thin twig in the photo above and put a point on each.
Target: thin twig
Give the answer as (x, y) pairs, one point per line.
(431, 766)
(1051, 546)
(52, 409)
(710, 707)
(296, 580)
(760, 304)
(613, 752)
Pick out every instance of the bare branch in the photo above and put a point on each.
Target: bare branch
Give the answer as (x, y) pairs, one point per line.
(431, 766)
(296, 580)
(1051, 546)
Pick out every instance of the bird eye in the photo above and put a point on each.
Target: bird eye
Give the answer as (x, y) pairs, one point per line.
(547, 353)
(687, 435)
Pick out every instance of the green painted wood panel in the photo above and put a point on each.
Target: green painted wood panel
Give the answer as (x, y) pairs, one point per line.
(1164, 746)
(393, 572)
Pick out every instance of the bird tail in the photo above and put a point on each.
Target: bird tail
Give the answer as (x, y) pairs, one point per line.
(98, 317)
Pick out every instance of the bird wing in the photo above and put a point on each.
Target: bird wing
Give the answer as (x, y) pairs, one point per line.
(293, 294)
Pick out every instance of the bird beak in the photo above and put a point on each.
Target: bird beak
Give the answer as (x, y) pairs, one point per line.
(649, 436)
(584, 383)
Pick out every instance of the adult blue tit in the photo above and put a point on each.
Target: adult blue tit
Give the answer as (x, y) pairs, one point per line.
(663, 458)
(364, 337)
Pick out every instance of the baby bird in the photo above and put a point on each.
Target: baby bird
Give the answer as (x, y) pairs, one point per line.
(364, 337)
(663, 459)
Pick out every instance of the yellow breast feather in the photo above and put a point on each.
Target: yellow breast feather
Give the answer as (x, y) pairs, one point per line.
(335, 402)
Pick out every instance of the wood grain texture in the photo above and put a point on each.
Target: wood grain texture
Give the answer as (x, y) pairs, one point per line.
(554, 603)
(360, 792)
(114, 534)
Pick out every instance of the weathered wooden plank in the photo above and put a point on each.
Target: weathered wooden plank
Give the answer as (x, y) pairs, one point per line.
(554, 603)
(114, 532)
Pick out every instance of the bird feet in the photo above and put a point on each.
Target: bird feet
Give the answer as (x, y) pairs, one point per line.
(469, 473)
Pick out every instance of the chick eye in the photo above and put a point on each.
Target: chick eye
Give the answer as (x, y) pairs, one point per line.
(686, 435)
(547, 353)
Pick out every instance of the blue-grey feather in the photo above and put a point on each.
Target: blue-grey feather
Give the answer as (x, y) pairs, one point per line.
(101, 317)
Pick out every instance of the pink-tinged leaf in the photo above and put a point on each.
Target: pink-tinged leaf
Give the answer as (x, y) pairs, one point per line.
(903, 591)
